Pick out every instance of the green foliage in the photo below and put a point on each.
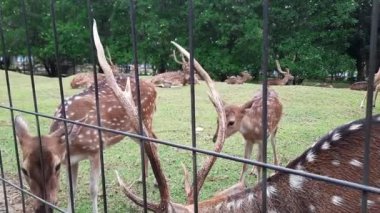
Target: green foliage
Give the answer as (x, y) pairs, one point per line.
(315, 39)
(312, 37)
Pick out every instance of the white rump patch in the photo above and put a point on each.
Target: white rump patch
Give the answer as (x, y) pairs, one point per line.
(271, 190)
(355, 127)
(310, 157)
(336, 136)
(356, 163)
(326, 145)
(336, 200)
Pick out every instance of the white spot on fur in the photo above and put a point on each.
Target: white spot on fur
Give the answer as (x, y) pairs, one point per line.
(335, 162)
(326, 145)
(312, 208)
(355, 127)
(271, 190)
(370, 203)
(230, 205)
(336, 136)
(356, 163)
(217, 207)
(77, 97)
(310, 157)
(239, 203)
(250, 197)
(80, 136)
(336, 200)
(109, 109)
(88, 132)
(296, 181)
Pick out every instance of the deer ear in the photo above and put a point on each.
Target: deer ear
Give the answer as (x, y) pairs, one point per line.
(22, 129)
(246, 105)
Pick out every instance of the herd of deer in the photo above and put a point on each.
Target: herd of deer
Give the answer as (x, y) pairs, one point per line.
(339, 154)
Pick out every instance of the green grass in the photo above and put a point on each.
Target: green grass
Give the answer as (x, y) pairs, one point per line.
(309, 113)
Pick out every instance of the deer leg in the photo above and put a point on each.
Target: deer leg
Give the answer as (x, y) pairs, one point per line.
(94, 179)
(273, 142)
(247, 155)
(259, 158)
(74, 179)
(374, 101)
(362, 104)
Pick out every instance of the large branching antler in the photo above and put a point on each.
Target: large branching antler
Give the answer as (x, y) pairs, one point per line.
(279, 67)
(218, 104)
(126, 100)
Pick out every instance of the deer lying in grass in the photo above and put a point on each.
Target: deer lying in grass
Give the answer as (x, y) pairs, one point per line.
(174, 78)
(84, 141)
(339, 154)
(240, 79)
(247, 119)
(287, 76)
(376, 85)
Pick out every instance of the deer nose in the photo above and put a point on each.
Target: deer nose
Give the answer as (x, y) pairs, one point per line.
(44, 209)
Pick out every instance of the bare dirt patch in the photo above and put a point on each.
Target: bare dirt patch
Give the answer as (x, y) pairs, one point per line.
(13, 197)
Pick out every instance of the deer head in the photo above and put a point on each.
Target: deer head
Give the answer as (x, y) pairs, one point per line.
(41, 164)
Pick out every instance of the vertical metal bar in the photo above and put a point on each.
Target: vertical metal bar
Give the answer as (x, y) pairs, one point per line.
(29, 51)
(62, 95)
(264, 68)
(3, 183)
(138, 93)
(11, 111)
(101, 144)
(192, 95)
(367, 130)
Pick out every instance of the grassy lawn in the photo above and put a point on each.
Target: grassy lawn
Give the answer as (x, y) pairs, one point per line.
(309, 113)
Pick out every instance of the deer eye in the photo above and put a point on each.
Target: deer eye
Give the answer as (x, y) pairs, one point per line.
(58, 167)
(231, 123)
(24, 171)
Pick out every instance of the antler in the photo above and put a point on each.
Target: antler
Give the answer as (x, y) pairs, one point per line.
(218, 104)
(175, 58)
(279, 67)
(127, 102)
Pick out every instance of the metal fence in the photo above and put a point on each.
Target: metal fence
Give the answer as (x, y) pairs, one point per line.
(363, 187)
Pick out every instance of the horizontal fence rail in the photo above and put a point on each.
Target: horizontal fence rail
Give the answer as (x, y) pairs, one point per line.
(143, 138)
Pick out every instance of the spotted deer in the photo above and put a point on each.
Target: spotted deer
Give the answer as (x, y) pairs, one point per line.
(173, 79)
(239, 79)
(376, 84)
(339, 154)
(83, 141)
(287, 76)
(247, 119)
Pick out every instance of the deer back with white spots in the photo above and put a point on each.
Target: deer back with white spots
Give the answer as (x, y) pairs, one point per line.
(84, 141)
(247, 119)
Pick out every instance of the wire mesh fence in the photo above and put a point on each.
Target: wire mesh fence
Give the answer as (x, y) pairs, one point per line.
(101, 130)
